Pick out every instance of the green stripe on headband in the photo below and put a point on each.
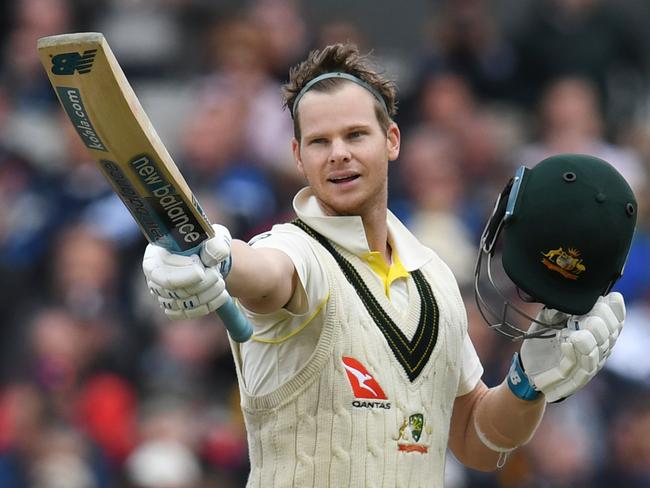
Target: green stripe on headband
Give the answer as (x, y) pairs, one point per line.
(345, 76)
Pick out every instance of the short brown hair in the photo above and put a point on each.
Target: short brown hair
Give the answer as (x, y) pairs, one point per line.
(344, 58)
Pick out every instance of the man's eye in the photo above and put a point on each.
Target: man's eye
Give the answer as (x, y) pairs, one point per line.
(355, 134)
(318, 140)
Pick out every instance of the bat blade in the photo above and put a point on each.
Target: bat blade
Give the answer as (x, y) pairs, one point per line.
(108, 117)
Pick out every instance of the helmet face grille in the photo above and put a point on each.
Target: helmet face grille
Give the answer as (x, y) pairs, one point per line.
(509, 318)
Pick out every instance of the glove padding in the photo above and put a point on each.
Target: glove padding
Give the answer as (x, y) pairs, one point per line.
(184, 286)
(560, 366)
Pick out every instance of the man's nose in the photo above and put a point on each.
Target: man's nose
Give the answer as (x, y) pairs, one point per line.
(339, 152)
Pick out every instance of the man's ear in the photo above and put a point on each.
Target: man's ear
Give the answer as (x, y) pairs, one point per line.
(295, 148)
(393, 141)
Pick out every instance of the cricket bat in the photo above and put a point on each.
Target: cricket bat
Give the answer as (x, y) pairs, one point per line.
(110, 121)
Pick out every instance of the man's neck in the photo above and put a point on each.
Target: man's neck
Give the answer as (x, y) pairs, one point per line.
(376, 228)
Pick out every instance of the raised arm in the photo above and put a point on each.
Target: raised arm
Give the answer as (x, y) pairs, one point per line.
(263, 279)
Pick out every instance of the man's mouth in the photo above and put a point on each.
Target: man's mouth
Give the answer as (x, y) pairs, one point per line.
(343, 179)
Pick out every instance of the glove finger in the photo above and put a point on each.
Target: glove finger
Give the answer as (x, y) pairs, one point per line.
(168, 303)
(196, 312)
(583, 341)
(195, 301)
(151, 259)
(211, 293)
(173, 277)
(216, 249)
(597, 327)
(553, 395)
(178, 260)
(153, 289)
(547, 379)
(589, 362)
(218, 302)
(616, 304)
(211, 279)
(562, 390)
(603, 311)
(176, 314)
(158, 291)
(612, 320)
(580, 378)
(558, 392)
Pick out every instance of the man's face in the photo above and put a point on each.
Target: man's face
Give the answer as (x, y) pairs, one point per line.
(343, 152)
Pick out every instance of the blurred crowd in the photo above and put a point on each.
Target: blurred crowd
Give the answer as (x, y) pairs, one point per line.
(99, 390)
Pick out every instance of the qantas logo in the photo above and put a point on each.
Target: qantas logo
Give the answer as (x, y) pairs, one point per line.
(364, 386)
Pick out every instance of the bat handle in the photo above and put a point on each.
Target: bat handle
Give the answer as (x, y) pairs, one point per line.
(239, 328)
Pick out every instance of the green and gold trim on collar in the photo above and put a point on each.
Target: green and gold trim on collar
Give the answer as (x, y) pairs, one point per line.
(412, 355)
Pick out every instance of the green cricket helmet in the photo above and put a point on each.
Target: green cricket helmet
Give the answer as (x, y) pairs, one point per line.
(564, 230)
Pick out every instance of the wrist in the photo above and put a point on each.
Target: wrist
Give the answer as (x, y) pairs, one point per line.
(518, 381)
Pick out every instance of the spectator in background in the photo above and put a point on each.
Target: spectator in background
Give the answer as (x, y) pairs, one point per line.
(431, 175)
(189, 360)
(169, 431)
(632, 361)
(85, 274)
(77, 187)
(495, 354)
(636, 278)
(146, 36)
(259, 170)
(341, 30)
(164, 464)
(239, 62)
(26, 216)
(598, 40)
(482, 137)
(627, 463)
(183, 444)
(36, 450)
(286, 30)
(26, 225)
(22, 69)
(567, 452)
(464, 36)
(57, 374)
(570, 121)
(206, 158)
(65, 459)
(221, 170)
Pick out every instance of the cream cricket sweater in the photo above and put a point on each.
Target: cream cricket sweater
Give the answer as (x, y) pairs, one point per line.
(351, 417)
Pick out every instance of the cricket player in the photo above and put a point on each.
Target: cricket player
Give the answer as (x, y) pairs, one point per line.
(360, 372)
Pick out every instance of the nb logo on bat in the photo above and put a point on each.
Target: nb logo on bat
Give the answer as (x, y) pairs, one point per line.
(68, 63)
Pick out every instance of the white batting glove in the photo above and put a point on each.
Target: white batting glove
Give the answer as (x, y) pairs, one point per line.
(183, 285)
(561, 366)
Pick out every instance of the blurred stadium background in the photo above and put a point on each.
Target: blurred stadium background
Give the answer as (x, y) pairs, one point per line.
(99, 390)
